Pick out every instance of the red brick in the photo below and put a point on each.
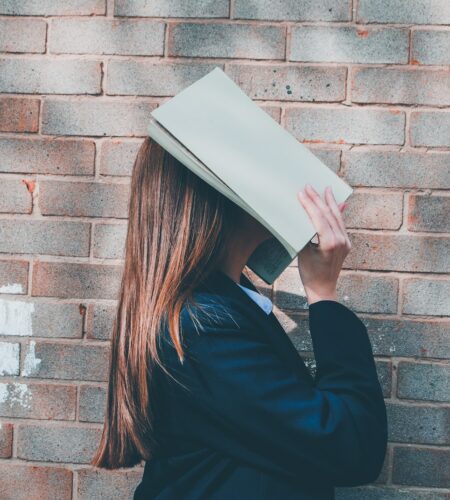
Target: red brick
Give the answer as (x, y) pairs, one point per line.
(92, 403)
(73, 280)
(39, 401)
(44, 237)
(430, 128)
(6, 440)
(117, 156)
(99, 323)
(381, 252)
(374, 210)
(57, 443)
(44, 75)
(49, 360)
(421, 466)
(401, 86)
(14, 197)
(25, 482)
(47, 156)
(52, 8)
(14, 276)
(96, 117)
(22, 35)
(41, 319)
(109, 241)
(97, 483)
(429, 213)
(359, 291)
(84, 199)
(389, 337)
(427, 297)
(18, 114)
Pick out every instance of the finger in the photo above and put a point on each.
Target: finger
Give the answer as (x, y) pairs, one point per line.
(325, 209)
(337, 213)
(329, 197)
(323, 228)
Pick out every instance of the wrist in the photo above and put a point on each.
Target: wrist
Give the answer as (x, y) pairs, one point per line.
(312, 297)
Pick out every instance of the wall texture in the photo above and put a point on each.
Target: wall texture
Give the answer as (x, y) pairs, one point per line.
(365, 84)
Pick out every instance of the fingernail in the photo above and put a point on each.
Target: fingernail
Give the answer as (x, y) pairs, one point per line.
(301, 194)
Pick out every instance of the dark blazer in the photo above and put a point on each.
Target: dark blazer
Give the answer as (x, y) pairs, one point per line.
(251, 422)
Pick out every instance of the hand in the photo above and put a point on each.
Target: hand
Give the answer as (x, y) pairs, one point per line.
(320, 264)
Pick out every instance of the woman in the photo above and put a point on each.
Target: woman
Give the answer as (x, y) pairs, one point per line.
(205, 385)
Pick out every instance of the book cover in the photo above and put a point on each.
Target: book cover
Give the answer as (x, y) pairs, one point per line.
(217, 131)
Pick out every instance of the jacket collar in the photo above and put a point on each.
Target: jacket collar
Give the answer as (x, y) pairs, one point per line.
(218, 282)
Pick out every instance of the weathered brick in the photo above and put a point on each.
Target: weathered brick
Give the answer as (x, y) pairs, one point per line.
(22, 482)
(22, 35)
(19, 114)
(361, 292)
(346, 125)
(86, 281)
(6, 439)
(384, 371)
(44, 237)
(92, 403)
(421, 466)
(98, 483)
(109, 241)
(100, 318)
(107, 36)
(293, 10)
(84, 199)
(14, 197)
(430, 297)
(174, 8)
(401, 86)
(378, 492)
(66, 361)
(14, 276)
(117, 157)
(349, 44)
(409, 423)
(429, 213)
(364, 167)
(246, 41)
(96, 117)
(381, 251)
(52, 7)
(423, 381)
(39, 401)
(430, 47)
(40, 319)
(47, 156)
(430, 128)
(43, 443)
(331, 157)
(137, 77)
(389, 337)
(374, 210)
(397, 11)
(49, 76)
(290, 83)
(9, 358)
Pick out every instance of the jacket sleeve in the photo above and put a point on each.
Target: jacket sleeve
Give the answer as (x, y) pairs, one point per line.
(335, 426)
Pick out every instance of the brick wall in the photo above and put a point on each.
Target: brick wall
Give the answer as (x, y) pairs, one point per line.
(365, 84)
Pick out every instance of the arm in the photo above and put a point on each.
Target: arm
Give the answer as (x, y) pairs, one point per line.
(336, 427)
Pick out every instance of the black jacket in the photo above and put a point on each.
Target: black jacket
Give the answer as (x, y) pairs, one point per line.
(251, 422)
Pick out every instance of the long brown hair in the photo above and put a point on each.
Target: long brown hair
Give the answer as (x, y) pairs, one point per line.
(178, 229)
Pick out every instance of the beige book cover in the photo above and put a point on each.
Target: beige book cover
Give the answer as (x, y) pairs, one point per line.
(213, 128)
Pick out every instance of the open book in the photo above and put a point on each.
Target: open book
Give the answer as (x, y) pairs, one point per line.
(217, 131)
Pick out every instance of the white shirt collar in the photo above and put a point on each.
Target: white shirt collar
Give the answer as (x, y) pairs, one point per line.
(264, 302)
